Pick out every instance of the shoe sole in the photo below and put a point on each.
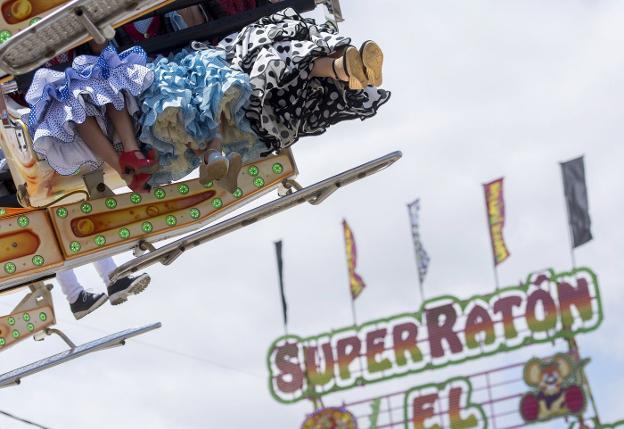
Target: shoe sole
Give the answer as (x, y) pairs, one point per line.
(372, 58)
(354, 67)
(138, 286)
(90, 310)
(214, 171)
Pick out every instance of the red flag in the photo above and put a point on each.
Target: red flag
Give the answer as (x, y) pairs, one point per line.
(495, 205)
(356, 284)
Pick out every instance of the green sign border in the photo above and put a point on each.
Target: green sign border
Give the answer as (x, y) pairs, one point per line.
(503, 348)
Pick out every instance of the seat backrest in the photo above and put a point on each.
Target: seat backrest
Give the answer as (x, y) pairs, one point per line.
(166, 43)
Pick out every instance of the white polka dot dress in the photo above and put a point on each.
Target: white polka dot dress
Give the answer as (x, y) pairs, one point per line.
(286, 103)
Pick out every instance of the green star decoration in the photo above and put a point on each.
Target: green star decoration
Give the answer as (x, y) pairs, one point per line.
(61, 212)
(147, 227)
(2, 342)
(4, 36)
(183, 189)
(26, 317)
(100, 240)
(43, 317)
(74, 246)
(160, 193)
(238, 192)
(208, 184)
(171, 220)
(258, 182)
(10, 267)
(195, 213)
(253, 170)
(30, 327)
(15, 333)
(38, 260)
(278, 168)
(11, 321)
(34, 20)
(135, 198)
(23, 221)
(217, 203)
(124, 233)
(111, 203)
(86, 208)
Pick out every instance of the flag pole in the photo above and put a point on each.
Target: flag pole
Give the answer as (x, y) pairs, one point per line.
(280, 273)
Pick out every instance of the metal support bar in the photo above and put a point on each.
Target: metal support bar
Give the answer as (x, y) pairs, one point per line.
(100, 37)
(314, 194)
(51, 331)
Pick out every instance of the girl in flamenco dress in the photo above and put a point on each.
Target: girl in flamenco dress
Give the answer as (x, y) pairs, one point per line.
(304, 77)
(75, 114)
(195, 100)
(194, 109)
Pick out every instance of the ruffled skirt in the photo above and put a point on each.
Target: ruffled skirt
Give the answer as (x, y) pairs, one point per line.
(195, 96)
(278, 52)
(60, 100)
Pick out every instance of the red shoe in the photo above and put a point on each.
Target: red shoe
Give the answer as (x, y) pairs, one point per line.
(131, 164)
(139, 183)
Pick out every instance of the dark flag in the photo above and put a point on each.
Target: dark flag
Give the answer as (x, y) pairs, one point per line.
(280, 272)
(575, 191)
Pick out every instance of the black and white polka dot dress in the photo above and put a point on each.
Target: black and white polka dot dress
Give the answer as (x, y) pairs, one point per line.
(287, 103)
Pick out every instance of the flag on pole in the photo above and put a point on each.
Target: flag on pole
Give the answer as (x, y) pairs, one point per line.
(422, 257)
(280, 273)
(495, 206)
(356, 284)
(577, 202)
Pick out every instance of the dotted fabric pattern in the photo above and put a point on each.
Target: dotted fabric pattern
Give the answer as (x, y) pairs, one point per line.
(182, 110)
(278, 52)
(60, 100)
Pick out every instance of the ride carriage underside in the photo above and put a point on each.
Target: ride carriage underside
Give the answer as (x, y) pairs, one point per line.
(70, 221)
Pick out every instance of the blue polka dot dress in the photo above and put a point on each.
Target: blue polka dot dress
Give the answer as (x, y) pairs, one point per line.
(287, 103)
(195, 96)
(61, 99)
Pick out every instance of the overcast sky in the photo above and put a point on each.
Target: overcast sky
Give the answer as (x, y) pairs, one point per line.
(481, 89)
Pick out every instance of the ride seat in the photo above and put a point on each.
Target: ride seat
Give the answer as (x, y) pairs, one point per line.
(34, 178)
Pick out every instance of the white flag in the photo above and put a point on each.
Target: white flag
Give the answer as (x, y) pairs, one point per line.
(422, 258)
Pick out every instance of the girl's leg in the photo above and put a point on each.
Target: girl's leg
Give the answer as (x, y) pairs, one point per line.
(325, 67)
(104, 268)
(70, 285)
(125, 128)
(99, 144)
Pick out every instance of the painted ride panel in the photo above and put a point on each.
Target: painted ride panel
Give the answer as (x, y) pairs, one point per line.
(42, 184)
(18, 14)
(94, 225)
(68, 26)
(34, 313)
(28, 245)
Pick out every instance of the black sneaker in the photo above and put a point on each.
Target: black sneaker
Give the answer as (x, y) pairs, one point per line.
(119, 291)
(86, 303)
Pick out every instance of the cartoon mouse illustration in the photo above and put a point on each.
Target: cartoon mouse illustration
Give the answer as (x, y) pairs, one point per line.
(556, 392)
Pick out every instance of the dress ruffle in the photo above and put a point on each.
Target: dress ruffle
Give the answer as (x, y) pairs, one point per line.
(60, 100)
(182, 110)
(278, 52)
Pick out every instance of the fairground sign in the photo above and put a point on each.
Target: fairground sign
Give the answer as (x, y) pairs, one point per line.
(446, 331)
